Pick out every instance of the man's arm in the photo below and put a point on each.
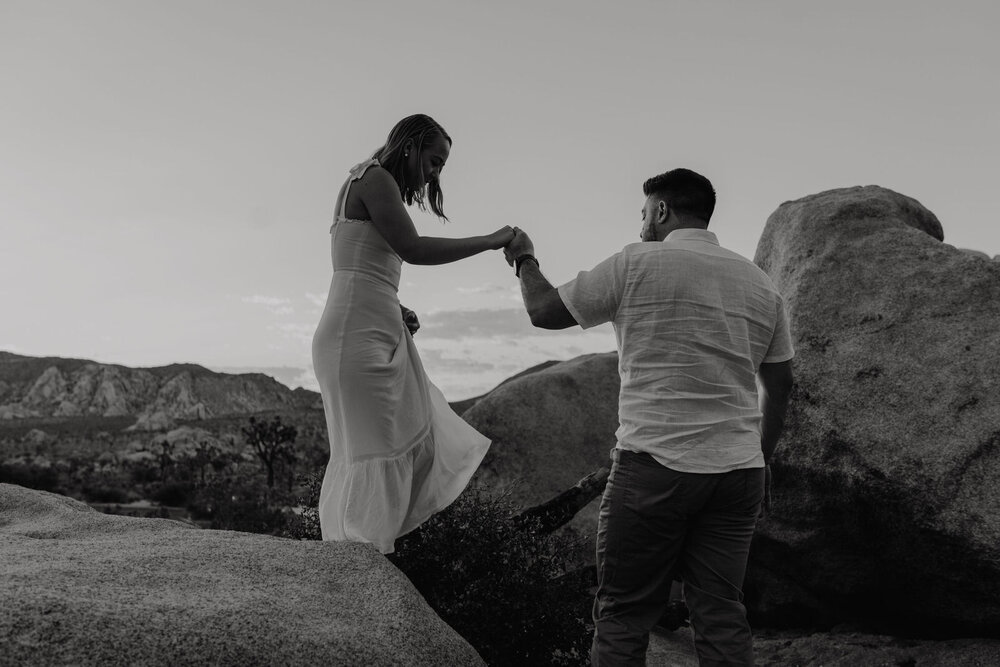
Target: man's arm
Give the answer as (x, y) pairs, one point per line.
(777, 388)
(542, 301)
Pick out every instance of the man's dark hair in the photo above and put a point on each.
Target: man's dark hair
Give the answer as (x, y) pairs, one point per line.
(684, 191)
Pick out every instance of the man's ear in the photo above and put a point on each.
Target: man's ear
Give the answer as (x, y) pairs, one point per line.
(408, 146)
(662, 212)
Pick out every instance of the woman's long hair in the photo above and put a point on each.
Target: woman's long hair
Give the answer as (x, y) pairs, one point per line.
(422, 130)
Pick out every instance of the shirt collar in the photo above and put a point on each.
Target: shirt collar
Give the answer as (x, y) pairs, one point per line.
(692, 235)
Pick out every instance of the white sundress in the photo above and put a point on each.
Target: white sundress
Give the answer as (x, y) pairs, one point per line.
(398, 452)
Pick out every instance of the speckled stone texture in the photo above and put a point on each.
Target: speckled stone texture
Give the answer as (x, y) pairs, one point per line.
(549, 429)
(854, 649)
(78, 587)
(887, 482)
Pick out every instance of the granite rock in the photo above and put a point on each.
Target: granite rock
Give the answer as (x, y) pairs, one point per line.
(84, 588)
(887, 480)
(550, 428)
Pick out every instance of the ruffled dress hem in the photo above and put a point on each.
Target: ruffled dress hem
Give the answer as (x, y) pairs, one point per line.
(375, 511)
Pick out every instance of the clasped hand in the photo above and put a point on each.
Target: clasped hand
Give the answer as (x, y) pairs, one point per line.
(520, 245)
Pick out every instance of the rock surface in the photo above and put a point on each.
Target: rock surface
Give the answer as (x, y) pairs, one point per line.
(840, 648)
(549, 429)
(887, 482)
(85, 588)
(850, 649)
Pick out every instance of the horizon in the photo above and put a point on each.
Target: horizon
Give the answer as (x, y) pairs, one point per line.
(170, 169)
(285, 375)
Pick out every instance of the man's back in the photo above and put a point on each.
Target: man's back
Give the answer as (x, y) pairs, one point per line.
(696, 325)
(694, 322)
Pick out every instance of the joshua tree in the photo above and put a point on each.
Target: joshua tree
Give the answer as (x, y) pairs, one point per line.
(166, 458)
(271, 441)
(204, 452)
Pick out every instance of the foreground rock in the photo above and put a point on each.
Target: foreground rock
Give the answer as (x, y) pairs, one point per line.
(849, 649)
(549, 429)
(84, 588)
(840, 648)
(887, 484)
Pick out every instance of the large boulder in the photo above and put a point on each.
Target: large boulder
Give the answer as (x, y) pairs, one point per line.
(549, 429)
(85, 588)
(887, 481)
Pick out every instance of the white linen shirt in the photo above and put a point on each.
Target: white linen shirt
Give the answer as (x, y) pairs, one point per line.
(693, 322)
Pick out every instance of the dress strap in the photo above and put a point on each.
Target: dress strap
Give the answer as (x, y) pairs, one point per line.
(357, 171)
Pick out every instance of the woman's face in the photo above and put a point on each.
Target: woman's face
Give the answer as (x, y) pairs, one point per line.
(425, 165)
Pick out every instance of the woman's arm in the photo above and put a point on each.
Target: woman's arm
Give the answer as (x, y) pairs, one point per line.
(380, 195)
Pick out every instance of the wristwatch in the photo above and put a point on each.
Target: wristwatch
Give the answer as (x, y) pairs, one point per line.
(521, 259)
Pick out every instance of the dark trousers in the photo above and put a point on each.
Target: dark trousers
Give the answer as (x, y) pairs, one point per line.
(656, 524)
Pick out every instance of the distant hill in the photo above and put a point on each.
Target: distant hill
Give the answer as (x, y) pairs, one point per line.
(290, 376)
(33, 387)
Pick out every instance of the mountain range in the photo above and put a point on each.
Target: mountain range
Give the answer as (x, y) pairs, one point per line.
(54, 387)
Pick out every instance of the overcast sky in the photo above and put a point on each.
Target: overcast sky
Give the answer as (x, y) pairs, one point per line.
(168, 169)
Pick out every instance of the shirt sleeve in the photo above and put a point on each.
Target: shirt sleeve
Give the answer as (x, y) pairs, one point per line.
(593, 297)
(781, 341)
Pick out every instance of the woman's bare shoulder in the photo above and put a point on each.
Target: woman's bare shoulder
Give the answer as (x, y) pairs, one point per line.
(374, 187)
(377, 185)
(376, 177)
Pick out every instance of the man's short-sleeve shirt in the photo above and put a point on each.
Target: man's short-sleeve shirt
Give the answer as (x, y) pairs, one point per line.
(693, 321)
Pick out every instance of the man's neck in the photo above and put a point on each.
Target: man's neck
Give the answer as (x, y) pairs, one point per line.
(686, 223)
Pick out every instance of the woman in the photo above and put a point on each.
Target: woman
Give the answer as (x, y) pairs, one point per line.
(398, 453)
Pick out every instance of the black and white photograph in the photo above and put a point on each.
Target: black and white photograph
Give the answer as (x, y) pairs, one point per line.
(526, 333)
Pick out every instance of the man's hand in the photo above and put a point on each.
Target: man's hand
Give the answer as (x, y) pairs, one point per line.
(521, 245)
(765, 506)
(409, 319)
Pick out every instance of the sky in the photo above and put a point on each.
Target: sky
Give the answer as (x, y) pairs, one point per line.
(168, 169)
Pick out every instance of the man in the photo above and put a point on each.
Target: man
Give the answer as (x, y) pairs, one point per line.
(696, 325)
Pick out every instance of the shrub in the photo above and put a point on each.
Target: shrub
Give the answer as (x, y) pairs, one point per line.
(244, 505)
(500, 582)
(30, 476)
(103, 493)
(305, 524)
(174, 494)
(497, 580)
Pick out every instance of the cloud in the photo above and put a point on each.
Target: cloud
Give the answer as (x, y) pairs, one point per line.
(465, 352)
(306, 379)
(492, 322)
(316, 298)
(491, 293)
(505, 292)
(278, 305)
(300, 332)
(468, 352)
(262, 300)
(482, 289)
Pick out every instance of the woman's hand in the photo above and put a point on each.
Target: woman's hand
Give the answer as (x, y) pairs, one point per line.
(409, 319)
(501, 237)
